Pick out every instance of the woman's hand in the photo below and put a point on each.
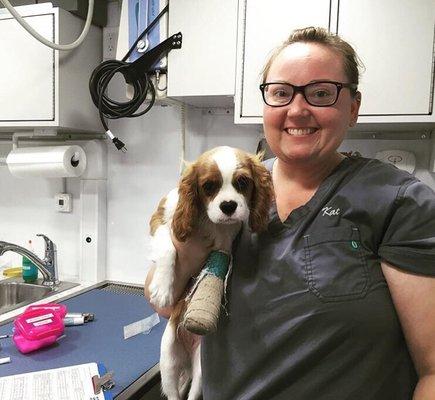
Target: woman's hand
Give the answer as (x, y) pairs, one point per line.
(191, 257)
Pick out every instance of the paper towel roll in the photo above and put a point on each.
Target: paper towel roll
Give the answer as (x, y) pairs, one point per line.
(47, 162)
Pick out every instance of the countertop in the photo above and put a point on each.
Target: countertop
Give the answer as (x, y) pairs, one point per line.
(99, 341)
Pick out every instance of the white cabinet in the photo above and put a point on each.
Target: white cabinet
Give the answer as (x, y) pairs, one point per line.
(202, 72)
(43, 88)
(394, 39)
(25, 89)
(264, 26)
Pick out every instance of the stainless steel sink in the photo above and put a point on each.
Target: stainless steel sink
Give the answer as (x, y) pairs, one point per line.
(15, 293)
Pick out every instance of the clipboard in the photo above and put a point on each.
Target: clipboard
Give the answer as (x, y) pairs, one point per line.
(103, 382)
(90, 381)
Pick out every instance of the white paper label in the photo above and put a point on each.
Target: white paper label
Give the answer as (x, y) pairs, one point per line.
(41, 317)
(45, 322)
(142, 326)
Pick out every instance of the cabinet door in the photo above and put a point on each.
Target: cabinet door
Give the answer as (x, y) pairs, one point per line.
(395, 41)
(27, 94)
(263, 26)
(202, 72)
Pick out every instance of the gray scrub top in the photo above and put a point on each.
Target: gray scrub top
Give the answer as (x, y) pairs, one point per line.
(310, 316)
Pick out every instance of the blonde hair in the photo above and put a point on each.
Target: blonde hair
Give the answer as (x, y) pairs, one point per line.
(351, 61)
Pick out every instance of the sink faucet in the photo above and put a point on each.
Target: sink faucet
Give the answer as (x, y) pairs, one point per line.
(47, 266)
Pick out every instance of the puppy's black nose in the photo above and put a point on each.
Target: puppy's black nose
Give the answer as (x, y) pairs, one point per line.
(228, 207)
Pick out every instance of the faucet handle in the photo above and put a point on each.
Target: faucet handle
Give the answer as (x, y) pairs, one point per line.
(49, 244)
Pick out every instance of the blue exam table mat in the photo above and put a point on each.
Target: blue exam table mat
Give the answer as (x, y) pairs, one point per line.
(101, 341)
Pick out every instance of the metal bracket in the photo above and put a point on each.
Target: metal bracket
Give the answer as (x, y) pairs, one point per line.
(104, 382)
(31, 134)
(144, 63)
(391, 135)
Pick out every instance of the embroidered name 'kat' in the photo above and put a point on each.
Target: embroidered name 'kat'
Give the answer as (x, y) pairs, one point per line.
(330, 211)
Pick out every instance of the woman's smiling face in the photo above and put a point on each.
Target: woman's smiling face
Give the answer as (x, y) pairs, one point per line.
(299, 131)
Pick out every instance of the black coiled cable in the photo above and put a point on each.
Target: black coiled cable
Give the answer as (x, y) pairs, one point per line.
(112, 109)
(143, 89)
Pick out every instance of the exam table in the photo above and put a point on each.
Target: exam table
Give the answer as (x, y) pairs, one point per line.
(134, 361)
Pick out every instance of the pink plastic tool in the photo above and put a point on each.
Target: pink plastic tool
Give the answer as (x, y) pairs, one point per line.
(39, 326)
(57, 308)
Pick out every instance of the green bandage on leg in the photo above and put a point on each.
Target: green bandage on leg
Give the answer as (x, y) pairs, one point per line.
(202, 313)
(217, 264)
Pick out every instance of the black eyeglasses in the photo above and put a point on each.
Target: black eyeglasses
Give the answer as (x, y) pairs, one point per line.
(318, 93)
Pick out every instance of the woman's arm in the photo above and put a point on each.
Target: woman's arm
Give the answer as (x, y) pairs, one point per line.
(414, 299)
(191, 257)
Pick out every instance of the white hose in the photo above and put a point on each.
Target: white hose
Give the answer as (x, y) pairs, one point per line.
(36, 35)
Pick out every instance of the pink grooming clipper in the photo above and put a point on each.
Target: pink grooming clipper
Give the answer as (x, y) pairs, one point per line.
(39, 326)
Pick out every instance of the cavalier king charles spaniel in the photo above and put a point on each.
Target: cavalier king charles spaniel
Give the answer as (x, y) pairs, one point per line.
(224, 191)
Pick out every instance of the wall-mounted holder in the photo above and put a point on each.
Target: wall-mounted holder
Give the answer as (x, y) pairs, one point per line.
(401, 159)
(28, 135)
(143, 64)
(31, 134)
(138, 75)
(41, 135)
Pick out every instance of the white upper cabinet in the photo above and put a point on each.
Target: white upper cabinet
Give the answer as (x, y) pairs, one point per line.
(28, 78)
(394, 39)
(42, 88)
(262, 27)
(30, 85)
(202, 72)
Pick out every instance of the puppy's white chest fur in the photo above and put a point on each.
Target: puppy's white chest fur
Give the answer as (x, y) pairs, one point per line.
(218, 237)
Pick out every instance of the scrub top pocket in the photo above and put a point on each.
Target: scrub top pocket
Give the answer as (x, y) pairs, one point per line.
(335, 264)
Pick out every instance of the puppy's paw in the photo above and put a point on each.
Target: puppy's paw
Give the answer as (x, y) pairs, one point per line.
(160, 297)
(161, 291)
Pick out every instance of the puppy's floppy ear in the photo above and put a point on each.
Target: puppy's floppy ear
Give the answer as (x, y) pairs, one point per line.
(262, 195)
(187, 211)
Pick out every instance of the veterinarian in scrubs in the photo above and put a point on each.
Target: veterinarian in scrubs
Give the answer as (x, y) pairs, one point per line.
(335, 300)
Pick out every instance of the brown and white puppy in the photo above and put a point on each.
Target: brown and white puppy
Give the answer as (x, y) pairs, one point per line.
(224, 190)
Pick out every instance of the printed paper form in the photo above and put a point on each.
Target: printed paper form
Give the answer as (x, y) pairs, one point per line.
(69, 383)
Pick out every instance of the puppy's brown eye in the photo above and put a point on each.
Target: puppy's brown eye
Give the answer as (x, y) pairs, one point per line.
(209, 187)
(241, 183)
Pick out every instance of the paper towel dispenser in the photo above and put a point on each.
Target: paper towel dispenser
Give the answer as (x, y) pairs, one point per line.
(47, 161)
(41, 87)
(400, 158)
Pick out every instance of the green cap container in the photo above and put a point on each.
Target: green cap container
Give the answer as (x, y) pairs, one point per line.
(30, 270)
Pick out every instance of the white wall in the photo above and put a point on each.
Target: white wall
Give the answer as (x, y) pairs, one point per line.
(136, 182)
(27, 208)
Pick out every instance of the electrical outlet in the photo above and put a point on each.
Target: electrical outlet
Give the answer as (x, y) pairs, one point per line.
(110, 40)
(63, 202)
